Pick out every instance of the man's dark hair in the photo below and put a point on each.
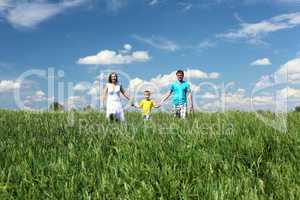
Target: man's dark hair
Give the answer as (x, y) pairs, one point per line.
(147, 91)
(180, 72)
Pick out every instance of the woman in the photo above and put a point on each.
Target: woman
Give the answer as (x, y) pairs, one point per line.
(112, 91)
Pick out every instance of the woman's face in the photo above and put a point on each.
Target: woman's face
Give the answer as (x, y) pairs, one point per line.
(113, 78)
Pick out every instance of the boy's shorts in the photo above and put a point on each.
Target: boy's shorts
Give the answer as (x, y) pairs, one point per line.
(147, 117)
(180, 111)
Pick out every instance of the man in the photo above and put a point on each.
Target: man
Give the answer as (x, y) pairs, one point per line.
(180, 91)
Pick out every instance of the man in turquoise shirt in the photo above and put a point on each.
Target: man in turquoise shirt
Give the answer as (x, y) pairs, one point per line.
(180, 91)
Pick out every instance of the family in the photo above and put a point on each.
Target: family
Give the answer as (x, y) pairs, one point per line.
(180, 91)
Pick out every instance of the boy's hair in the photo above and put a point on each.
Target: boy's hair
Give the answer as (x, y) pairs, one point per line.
(180, 72)
(147, 91)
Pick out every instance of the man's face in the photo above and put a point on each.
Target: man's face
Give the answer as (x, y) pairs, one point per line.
(180, 76)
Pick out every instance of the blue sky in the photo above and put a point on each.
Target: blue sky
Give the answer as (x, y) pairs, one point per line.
(245, 42)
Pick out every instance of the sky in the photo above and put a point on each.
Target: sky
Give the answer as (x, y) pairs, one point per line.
(236, 54)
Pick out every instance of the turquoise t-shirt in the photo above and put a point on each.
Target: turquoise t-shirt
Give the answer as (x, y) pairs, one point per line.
(179, 92)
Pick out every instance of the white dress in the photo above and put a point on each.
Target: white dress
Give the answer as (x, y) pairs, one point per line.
(113, 103)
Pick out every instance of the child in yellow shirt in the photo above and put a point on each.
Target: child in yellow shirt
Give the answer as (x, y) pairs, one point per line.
(146, 105)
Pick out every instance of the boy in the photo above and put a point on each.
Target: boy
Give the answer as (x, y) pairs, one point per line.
(146, 104)
(180, 90)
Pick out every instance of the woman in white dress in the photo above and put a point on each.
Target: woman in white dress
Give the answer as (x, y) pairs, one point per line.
(112, 91)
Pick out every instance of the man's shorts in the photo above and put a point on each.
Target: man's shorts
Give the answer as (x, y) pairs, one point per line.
(180, 111)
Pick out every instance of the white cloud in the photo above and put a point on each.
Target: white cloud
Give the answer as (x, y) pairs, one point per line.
(289, 72)
(263, 61)
(264, 82)
(237, 99)
(109, 57)
(82, 86)
(253, 32)
(195, 73)
(194, 87)
(162, 81)
(288, 1)
(139, 56)
(135, 83)
(208, 95)
(206, 44)
(9, 85)
(29, 14)
(4, 4)
(115, 5)
(75, 102)
(185, 6)
(153, 2)
(127, 47)
(282, 84)
(240, 100)
(40, 93)
(289, 92)
(94, 89)
(39, 96)
(158, 42)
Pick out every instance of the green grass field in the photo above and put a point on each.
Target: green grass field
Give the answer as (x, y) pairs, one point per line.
(208, 156)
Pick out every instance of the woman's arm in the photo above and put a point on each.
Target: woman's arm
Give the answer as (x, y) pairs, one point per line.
(135, 106)
(105, 94)
(124, 93)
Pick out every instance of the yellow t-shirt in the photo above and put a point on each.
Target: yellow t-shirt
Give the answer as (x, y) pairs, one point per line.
(147, 105)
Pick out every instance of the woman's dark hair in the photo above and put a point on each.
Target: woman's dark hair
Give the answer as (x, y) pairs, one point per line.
(110, 75)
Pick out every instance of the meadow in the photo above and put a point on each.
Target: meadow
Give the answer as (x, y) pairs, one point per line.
(230, 155)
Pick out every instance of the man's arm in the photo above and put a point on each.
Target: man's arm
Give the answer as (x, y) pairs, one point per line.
(166, 97)
(190, 97)
(156, 105)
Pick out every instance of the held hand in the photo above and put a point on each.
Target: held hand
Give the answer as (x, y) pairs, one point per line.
(131, 101)
(160, 103)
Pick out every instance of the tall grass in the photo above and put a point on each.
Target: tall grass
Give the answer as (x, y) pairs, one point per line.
(208, 156)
